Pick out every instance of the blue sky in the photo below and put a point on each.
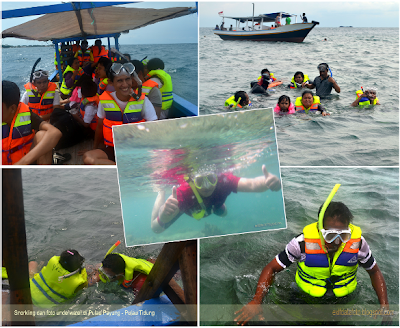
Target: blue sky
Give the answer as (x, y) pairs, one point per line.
(328, 14)
(179, 30)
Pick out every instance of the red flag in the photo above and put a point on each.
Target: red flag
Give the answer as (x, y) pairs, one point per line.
(220, 12)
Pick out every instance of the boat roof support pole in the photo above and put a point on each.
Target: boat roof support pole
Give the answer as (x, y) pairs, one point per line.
(60, 76)
(15, 254)
(109, 47)
(116, 45)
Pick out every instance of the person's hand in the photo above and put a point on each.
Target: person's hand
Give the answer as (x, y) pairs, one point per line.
(170, 208)
(272, 182)
(331, 79)
(248, 312)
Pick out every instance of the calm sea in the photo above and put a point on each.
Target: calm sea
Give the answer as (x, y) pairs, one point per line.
(230, 266)
(180, 62)
(357, 57)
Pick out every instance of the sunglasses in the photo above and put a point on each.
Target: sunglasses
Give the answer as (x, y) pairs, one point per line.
(331, 235)
(205, 180)
(116, 68)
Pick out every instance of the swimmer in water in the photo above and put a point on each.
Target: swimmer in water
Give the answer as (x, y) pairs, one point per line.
(298, 79)
(284, 105)
(308, 102)
(239, 100)
(366, 97)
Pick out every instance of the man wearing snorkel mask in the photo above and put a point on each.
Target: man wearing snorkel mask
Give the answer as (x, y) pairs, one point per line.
(204, 193)
(324, 83)
(327, 253)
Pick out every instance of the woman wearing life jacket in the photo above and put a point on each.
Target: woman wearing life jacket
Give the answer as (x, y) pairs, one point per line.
(117, 108)
(70, 76)
(366, 97)
(59, 280)
(298, 79)
(308, 102)
(328, 254)
(239, 100)
(26, 138)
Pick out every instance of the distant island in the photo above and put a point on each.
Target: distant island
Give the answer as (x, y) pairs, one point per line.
(26, 46)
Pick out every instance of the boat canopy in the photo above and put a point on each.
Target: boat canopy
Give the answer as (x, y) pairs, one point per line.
(266, 18)
(82, 23)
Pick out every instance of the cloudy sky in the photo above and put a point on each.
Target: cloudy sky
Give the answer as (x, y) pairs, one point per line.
(179, 30)
(328, 14)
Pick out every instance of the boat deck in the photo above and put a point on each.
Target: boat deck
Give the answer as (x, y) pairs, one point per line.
(74, 151)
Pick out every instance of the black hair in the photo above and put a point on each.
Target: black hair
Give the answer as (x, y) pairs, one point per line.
(337, 211)
(240, 94)
(10, 92)
(71, 60)
(88, 88)
(283, 97)
(155, 63)
(305, 92)
(115, 262)
(97, 42)
(139, 67)
(71, 262)
(104, 61)
(299, 73)
(264, 70)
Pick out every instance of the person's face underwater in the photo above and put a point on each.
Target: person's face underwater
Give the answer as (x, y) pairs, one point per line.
(284, 105)
(110, 273)
(333, 224)
(298, 78)
(307, 100)
(206, 184)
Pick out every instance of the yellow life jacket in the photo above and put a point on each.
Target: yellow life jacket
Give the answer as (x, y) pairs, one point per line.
(4, 274)
(48, 291)
(166, 90)
(64, 89)
(318, 272)
(132, 265)
(300, 107)
(306, 78)
(230, 102)
(365, 101)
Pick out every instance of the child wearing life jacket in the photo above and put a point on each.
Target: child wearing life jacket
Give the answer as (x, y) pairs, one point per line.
(298, 79)
(365, 98)
(308, 102)
(239, 100)
(59, 280)
(284, 105)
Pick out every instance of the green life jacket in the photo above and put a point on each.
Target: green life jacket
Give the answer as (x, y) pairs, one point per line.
(166, 90)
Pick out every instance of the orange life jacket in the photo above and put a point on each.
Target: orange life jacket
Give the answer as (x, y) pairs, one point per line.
(17, 140)
(86, 101)
(41, 104)
(148, 85)
(131, 114)
(83, 56)
(96, 54)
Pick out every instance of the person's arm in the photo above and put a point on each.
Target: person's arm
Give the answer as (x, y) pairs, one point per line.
(379, 284)
(253, 308)
(335, 85)
(308, 84)
(322, 110)
(148, 113)
(47, 143)
(356, 102)
(78, 118)
(260, 184)
(98, 135)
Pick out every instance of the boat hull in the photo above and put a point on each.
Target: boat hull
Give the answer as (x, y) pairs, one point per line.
(286, 33)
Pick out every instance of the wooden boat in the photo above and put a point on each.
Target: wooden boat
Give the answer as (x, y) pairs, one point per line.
(86, 17)
(255, 30)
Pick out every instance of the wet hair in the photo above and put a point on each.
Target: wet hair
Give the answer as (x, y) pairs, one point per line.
(71, 60)
(240, 94)
(71, 262)
(337, 211)
(104, 61)
(10, 93)
(305, 92)
(282, 98)
(264, 70)
(115, 262)
(155, 63)
(299, 73)
(325, 64)
(139, 67)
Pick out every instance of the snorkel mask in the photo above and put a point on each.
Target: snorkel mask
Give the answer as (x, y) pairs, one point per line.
(104, 277)
(322, 213)
(129, 69)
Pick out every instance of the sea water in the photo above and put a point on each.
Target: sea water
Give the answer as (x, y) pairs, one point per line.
(357, 57)
(180, 62)
(230, 266)
(156, 156)
(77, 209)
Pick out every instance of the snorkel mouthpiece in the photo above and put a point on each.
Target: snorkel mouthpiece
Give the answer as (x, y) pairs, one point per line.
(102, 275)
(322, 213)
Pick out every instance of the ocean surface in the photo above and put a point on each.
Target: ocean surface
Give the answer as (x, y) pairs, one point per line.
(156, 156)
(78, 209)
(357, 57)
(180, 62)
(230, 266)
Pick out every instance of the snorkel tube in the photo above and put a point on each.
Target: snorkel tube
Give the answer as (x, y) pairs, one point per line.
(33, 68)
(102, 277)
(198, 215)
(322, 213)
